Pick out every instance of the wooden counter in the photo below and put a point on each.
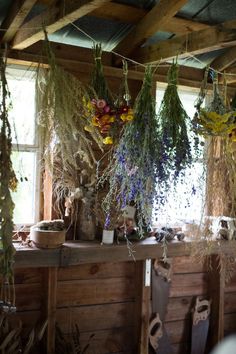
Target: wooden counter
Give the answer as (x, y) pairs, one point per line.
(81, 252)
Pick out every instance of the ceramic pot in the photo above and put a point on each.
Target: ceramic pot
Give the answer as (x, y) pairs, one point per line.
(47, 238)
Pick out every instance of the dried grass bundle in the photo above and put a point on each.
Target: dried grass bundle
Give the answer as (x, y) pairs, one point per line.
(8, 183)
(221, 177)
(64, 110)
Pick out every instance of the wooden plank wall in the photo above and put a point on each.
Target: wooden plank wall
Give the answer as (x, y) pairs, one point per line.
(100, 298)
(230, 306)
(189, 280)
(29, 296)
(104, 299)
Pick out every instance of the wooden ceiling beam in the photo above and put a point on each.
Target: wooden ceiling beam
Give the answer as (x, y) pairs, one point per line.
(15, 17)
(213, 38)
(160, 14)
(225, 60)
(130, 14)
(82, 63)
(54, 18)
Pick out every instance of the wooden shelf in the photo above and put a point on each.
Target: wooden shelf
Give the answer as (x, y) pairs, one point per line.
(81, 252)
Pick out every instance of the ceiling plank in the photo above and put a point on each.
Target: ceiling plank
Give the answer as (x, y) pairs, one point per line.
(213, 38)
(15, 17)
(149, 25)
(54, 18)
(225, 60)
(130, 14)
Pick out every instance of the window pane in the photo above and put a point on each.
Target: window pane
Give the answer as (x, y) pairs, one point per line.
(22, 114)
(24, 164)
(185, 201)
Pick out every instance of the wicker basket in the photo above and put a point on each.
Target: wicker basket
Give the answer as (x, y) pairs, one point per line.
(47, 238)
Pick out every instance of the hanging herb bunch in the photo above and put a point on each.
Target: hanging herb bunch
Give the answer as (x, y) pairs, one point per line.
(101, 98)
(64, 107)
(217, 119)
(132, 172)
(173, 120)
(110, 114)
(8, 183)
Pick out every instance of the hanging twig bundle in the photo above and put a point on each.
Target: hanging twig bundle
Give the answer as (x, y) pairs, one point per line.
(8, 183)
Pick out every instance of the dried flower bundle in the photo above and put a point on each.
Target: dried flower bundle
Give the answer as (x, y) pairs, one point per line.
(8, 182)
(110, 114)
(64, 110)
(133, 169)
(176, 149)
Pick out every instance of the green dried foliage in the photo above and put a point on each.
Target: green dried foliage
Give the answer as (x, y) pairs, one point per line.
(176, 150)
(98, 81)
(8, 182)
(133, 170)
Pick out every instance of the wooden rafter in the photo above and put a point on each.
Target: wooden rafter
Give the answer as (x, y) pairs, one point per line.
(16, 16)
(225, 60)
(81, 62)
(132, 15)
(53, 19)
(160, 14)
(213, 38)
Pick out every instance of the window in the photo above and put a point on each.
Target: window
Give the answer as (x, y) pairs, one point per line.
(25, 149)
(185, 202)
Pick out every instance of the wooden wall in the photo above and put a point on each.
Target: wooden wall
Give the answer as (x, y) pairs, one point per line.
(230, 306)
(104, 299)
(100, 298)
(189, 280)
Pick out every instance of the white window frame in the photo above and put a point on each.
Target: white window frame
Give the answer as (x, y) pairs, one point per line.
(12, 72)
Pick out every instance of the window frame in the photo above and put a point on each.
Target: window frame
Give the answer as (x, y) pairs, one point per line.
(19, 73)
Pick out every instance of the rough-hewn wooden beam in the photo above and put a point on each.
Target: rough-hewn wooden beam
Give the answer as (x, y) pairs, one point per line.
(160, 14)
(15, 17)
(81, 60)
(132, 15)
(53, 19)
(225, 60)
(215, 37)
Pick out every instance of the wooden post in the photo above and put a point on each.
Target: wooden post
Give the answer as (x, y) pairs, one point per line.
(216, 293)
(50, 306)
(144, 311)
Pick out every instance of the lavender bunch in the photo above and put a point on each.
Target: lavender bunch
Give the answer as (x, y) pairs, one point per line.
(135, 166)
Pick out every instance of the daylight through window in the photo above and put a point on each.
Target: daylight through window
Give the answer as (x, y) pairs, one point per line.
(25, 149)
(185, 201)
